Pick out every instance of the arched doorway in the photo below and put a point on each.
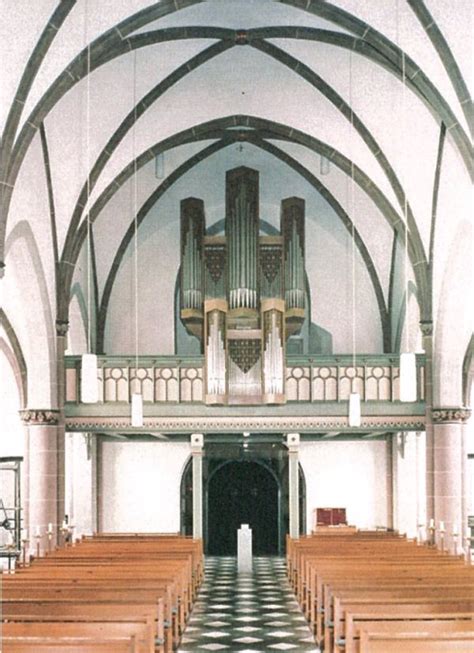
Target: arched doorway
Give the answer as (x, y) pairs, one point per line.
(270, 459)
(242, 492)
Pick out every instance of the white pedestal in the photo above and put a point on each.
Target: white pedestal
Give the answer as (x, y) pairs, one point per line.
(244, 550)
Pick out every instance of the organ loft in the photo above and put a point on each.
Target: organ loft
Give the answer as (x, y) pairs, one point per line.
(243, 294)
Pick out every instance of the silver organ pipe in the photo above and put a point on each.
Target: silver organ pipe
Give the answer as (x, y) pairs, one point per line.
(242, 225)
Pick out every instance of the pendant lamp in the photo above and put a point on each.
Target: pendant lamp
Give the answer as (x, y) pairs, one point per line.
(89, 382)
(137, 409)
(354, 409)
(137, 397)
(354, 397)
(408, 388)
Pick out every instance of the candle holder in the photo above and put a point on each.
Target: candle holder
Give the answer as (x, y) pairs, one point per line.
(455, 536)
(420, 532)
(442, 533)
(432, 531)
(38, 543)
(65, 532)
(11, 548)
(50, 537)
(24, 544)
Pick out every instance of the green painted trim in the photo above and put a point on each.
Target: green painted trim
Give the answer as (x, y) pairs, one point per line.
(150, 360)
(434, 203)
(49, 185)
(26, 82)
(95, 282)
(468, 373)
(232, 136)
(391, 283)
(448, 60)
(127, 123)
(394, 56)
(141, 215)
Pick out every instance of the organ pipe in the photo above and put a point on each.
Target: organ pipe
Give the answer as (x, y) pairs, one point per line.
(242, 226)
(292, 229)
(192, 235)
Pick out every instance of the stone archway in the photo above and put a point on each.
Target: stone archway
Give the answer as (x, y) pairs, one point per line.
(241, 491)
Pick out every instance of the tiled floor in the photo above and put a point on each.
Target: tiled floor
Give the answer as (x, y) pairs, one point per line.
(248, 614)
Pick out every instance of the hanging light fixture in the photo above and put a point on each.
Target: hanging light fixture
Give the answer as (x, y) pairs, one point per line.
(137, 397)
(89, 370)
(354, 397)
(407, 379)
(408, 385)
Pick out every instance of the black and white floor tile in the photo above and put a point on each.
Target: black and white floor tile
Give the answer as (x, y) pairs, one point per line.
(246, 613)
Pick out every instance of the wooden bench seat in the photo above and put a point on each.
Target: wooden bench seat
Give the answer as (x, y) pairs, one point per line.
(19, 644)
(142, 631)
(104, 594)
(350, 580)
(418, 634)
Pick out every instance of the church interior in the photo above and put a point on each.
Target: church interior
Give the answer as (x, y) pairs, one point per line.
(236, 273)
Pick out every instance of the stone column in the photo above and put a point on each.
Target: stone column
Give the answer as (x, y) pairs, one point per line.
(449, 466)
(427, 333)
(197, 445)
(397, 444)
(42, 463)
(293, 442)
(61, 346)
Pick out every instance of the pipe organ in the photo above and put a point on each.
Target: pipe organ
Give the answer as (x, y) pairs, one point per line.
(243, 294)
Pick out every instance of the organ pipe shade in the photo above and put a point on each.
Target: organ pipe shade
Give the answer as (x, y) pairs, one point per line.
(292, 230)
(274, 354)
(215, 353)
(192, 235)
(137, 409)
(354, 409)
(408, 377)
(89, 382)
(242, 228)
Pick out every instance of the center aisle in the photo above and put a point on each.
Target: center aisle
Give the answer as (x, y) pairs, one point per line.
(248, 614)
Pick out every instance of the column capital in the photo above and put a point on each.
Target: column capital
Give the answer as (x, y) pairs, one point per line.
(293, 441)
(426, 327)
(450, 415)
(62, 327)
(40, 416)
(197, 442)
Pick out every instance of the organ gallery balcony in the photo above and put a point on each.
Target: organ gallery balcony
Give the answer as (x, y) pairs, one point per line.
(316, 393)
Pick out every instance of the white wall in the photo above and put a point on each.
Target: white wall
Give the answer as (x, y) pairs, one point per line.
(140, 485)
(81, 476)
(349, 475)
(409, 483)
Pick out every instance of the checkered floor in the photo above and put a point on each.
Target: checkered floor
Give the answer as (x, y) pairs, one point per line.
(248, 614)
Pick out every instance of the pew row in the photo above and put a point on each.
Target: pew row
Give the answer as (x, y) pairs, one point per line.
(129, 591)
(384, 586)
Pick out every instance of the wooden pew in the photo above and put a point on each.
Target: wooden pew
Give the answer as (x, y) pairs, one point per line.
(422, 636)
(345, 580)
(20, 644)
(142, 632)
(124, 589)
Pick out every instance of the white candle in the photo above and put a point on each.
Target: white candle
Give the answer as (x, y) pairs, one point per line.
(24, 535)
(441, 527)
(455, 529)
(38, 533)
(432, 523)
(64, 524)
(50, 528)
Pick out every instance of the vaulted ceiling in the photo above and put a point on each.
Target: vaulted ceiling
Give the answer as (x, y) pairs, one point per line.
(111, 108)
